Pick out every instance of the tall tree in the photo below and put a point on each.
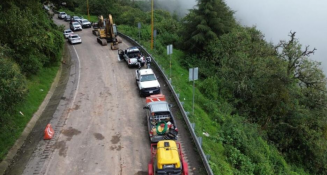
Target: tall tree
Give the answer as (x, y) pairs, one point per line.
(207, 22)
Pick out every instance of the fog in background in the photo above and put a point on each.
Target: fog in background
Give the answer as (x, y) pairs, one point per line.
(180, 7)
(276, 18)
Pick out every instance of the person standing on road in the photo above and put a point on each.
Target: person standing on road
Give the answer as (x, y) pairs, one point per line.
(139, 60)
(148, 61)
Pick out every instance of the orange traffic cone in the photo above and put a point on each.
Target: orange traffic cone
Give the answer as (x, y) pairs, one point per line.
(48, 132)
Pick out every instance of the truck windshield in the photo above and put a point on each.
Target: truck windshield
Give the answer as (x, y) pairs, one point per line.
(149, 77)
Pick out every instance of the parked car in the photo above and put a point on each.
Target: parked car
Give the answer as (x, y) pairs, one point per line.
(62, 15)
(147, 82)
(74, 39)
(75, 26)
(67, 18)
(67, 33)
(85, 23)
(75, 19)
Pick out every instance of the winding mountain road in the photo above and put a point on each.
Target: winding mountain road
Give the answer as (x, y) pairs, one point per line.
(99, 124)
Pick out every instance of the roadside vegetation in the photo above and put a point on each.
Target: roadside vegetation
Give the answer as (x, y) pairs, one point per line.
(30, 51)
(262, 105)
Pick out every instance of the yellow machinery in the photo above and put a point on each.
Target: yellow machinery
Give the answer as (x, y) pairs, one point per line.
(167, 158)
(106, 31)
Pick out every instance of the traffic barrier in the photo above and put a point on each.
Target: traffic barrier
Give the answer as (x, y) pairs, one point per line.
(152, 98)
(48, 132)
(179, 104)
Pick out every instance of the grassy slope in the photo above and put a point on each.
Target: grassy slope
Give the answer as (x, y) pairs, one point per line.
(206, 121)
(203, 122)
(38, 88)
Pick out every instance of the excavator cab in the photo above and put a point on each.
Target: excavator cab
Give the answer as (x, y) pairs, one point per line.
(115, 29)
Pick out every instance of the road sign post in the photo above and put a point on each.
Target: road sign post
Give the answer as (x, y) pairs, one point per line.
(169, 52)
(192, 76)
(139, 27)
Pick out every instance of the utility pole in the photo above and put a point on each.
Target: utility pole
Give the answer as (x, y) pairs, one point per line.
(88, 12)
(152, 26)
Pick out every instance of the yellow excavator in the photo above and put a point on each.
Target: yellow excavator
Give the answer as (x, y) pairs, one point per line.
(106, 31)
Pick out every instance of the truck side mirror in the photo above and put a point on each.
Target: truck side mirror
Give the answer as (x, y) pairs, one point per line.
(145, 107)
(170, 105)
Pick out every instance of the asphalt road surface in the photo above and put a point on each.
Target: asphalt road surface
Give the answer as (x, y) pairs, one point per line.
(99, 124)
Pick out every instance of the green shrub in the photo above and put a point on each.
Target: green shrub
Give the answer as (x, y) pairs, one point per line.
(12, 86)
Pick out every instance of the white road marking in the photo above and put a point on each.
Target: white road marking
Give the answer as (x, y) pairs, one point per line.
(77, 87)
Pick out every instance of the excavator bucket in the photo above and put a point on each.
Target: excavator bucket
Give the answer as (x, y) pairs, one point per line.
(114, 47)
(119, 40)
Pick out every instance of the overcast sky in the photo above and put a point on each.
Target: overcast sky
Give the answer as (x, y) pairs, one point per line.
(276, 18)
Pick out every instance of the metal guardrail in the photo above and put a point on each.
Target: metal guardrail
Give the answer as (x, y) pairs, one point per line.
(196, 139)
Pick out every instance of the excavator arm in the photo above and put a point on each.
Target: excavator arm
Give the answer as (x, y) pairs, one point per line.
(107, 32)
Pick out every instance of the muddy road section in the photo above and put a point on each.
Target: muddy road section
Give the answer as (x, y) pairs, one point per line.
(100, 126)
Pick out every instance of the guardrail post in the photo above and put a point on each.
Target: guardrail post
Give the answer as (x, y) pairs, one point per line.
(200, 141)
(193, 126)
(208, 157)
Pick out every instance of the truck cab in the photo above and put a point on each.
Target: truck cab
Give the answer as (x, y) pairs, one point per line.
(147, 82)
(160, 120)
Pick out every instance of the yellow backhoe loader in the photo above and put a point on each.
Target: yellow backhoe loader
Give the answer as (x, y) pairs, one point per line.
(106, 31)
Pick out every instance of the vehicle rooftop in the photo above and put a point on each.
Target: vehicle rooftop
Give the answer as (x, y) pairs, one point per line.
(146, 71)
(159, 106)
(133, 49)
(167, 153)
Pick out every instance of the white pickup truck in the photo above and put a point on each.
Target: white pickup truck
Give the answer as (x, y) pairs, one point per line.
(130, 55)
(147, 82)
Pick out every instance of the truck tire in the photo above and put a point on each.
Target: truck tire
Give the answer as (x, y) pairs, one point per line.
(140, 93)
